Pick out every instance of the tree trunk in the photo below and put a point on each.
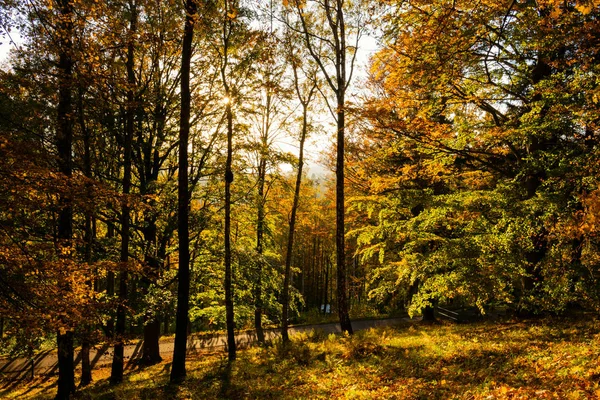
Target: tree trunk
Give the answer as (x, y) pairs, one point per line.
(229, 313)
(326, 290)
(178, 371)
(342, 296)
(260, 222)
(66, 367)
(231, 346)
(64, 144)
(110, 286)
(116, 375)
(151, 348)
(292, 228)
(86, 368)
(428, 314)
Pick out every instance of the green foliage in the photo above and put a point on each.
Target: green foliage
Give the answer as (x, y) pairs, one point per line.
(484, 152)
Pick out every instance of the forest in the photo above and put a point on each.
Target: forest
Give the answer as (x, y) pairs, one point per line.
(175, 167)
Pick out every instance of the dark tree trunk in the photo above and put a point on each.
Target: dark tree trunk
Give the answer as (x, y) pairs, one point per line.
(429, 314)
(66, 367)
(64, 144)
(86, 366)
(229, 315)
(178, 371)
(342, 291)
(151, 348)
(116, 375)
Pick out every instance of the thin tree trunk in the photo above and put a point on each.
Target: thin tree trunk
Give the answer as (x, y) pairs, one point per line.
(116, 375)
(231, 346)
(258, 306)
(178, 371)
(86, 368)
(326, 288)
(229, 313)
(64, 144)
(292, 228)
(342, 296)
(151, 348)
(110, 286)
(327, 280)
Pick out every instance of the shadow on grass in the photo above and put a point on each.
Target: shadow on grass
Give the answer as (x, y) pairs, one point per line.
(423, 363)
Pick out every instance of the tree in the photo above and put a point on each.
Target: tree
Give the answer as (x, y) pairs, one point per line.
(304, 91)
(118, 358)
(235, 68)
(64, 144)
(228, 17)
(477, 126)
(178, 371)
(340, 59)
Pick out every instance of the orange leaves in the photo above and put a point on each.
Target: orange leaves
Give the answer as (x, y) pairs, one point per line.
(301, 4)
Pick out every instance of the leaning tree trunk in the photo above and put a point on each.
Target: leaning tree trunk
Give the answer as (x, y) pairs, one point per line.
(116, 375)
(178, 371)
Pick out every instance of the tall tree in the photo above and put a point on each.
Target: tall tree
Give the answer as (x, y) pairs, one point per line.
(178, 371)
(304, 93)
(227, 30)
(118, 355)
(337, 68)
(64, 145)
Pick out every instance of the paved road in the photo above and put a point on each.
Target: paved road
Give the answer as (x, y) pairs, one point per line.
(45, 363)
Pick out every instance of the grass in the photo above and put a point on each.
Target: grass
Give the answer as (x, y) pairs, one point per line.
(539, 359)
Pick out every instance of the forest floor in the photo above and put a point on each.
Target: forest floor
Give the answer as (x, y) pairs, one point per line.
(515, 359)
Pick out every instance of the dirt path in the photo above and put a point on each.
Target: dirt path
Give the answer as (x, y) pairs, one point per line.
(45, 363)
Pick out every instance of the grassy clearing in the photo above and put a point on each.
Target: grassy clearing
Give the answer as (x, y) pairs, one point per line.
(542, 359)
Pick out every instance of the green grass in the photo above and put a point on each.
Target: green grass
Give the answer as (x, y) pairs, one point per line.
(540, 359)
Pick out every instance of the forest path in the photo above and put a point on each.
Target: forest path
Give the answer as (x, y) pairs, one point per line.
(46, 363)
